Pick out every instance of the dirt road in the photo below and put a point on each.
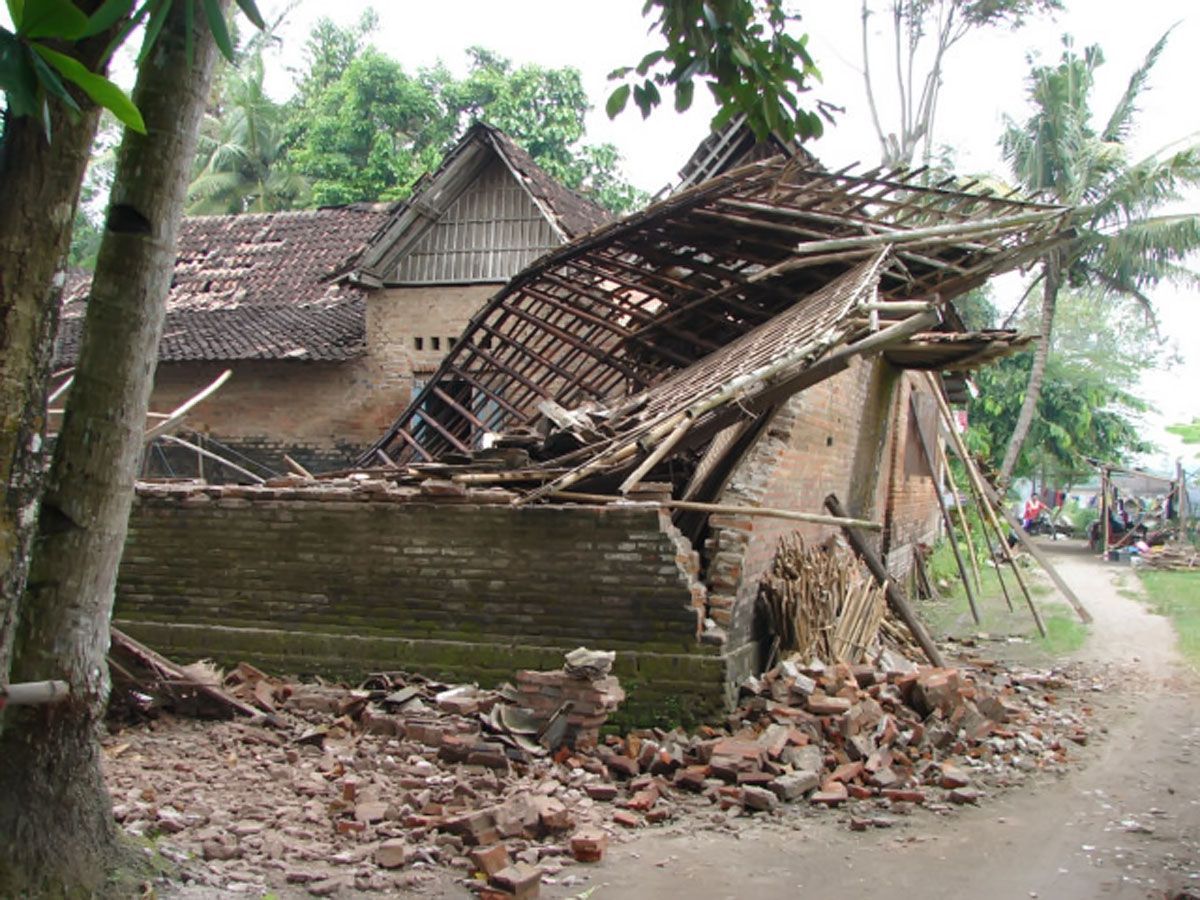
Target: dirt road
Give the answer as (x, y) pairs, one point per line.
(1125, 823)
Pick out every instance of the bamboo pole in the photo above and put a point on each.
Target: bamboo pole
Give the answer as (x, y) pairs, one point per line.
(962, 521)
(658, 453)
(977, 480)
(296, 467)
(176, 415)
(33, 693)
(60, 390)
(987, 517)
(765, 512)
(941, 501)
(214, 456)
(1036, 552)
(1104, 512)
(895, 596)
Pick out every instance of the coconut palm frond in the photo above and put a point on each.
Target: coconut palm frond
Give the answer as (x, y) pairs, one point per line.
(1120, 121)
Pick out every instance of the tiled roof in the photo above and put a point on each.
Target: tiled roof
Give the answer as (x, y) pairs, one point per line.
(575, 214)
(257, 286)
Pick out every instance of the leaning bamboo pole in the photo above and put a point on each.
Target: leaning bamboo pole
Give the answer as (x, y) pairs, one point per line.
(985, 504)
(946, 520)
(972, 557)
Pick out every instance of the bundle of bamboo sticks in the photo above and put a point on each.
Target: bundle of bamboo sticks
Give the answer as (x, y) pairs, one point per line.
(820, 603)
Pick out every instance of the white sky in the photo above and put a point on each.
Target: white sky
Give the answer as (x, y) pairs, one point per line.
(984, 80)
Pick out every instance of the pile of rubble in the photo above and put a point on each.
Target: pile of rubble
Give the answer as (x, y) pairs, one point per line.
(385, 786)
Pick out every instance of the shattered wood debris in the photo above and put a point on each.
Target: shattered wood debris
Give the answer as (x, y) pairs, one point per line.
(381, 787)
(1171, 557)
(820, 603)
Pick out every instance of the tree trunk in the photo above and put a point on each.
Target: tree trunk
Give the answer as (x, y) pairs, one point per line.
(56, 830)
(1052, 271)
(41, 190)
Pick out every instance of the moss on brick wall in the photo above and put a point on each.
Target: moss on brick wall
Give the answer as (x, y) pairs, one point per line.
(344, 586)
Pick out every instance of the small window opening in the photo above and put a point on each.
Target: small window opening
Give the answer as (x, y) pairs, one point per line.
(436, 342)
(419, 343)
(450, 342)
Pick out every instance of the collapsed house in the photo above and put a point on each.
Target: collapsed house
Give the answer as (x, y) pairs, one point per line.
(329, 317)
(613, 448)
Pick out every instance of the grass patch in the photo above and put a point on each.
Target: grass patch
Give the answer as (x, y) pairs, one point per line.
(1176, 595)
(1064, 632)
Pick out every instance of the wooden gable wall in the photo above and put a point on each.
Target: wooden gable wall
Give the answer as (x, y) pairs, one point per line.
(490, 231)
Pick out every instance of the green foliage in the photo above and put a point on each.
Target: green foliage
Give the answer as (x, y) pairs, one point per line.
(1122, 245)
(543, 110)
(1189, 431)
(32, 72)
(367, 136)
(88, 227)
(741, 50)
(241, 164)
(361, 128)
(1081, 412)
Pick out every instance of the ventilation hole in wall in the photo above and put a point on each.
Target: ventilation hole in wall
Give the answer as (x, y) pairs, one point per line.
(450, 342)
(436, 342)
(418, 343)
(829, 441)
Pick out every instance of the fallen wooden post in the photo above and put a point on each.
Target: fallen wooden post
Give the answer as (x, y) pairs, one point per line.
(33, 693)
(166, 671)
(296, 467)
(972, 555)
(895, 597)
(765, 512)
(177, 415)
(214, 456)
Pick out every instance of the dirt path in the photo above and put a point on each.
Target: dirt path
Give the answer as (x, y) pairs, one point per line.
(1126, 823)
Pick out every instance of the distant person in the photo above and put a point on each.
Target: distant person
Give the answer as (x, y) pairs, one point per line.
(1034, 507)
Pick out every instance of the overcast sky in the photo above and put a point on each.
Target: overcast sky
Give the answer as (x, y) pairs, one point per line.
(984, 81)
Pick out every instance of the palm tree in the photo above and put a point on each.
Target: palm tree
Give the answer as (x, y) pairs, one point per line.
(1123, 242)
(241, 163)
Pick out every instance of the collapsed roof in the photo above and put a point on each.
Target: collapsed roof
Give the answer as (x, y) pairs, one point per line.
(756, 255)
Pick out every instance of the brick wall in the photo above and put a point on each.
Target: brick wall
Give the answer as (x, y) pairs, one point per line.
(398, 318)
(353, 583)
(911, 515)
(323, 414)
(838, 436)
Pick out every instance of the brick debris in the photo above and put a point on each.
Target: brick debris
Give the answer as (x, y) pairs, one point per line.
(391, 785)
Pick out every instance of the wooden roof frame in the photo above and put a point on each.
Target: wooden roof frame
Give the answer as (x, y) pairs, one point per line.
(630, 304)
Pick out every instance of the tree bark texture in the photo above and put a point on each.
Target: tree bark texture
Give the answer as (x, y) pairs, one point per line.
(56, 831)
(1052, 270)
(41, 182)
